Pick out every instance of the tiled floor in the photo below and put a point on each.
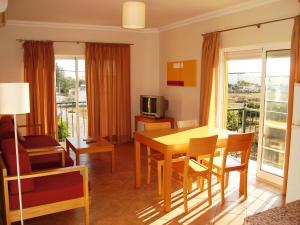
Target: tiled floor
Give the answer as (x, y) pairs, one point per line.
(115, 201)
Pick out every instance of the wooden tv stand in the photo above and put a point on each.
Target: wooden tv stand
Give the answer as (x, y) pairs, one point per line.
(145, 119)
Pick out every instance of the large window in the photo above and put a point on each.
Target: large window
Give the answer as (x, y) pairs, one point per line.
(71, 97)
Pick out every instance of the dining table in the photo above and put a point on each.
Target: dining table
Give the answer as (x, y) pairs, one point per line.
(170, 142)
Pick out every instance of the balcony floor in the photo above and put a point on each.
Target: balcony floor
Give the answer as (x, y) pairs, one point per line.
(115, 201)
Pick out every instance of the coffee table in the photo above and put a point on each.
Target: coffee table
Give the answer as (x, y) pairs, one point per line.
(79, 146)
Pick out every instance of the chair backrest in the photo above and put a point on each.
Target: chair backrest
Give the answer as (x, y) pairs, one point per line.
(187, 123)
(157, 126)
(239, 143)
(203, 147)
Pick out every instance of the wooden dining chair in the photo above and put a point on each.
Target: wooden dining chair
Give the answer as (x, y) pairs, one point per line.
(190, 168)
(154, 156)
(187, 123)
(224, 164)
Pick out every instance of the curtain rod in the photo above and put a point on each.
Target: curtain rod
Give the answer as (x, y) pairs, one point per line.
(77, 42)
(258, 25)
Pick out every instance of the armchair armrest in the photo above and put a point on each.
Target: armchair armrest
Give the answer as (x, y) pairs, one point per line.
(47, 151)
(43, 173)
(30, 125)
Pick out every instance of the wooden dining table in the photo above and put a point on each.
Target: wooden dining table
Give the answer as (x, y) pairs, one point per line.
(169, 142)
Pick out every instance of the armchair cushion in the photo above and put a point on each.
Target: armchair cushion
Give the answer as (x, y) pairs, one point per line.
(39, 141)
(50, 189)
(6, 119)
(51, 161)
(6, 131)
(9, 153)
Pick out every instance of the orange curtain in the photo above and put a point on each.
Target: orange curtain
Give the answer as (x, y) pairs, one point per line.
(108, 91)
(39, 73)
(209, 75)
(294, 78)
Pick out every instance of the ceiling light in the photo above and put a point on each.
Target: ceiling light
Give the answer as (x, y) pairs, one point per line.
(3, 5)
(133, 15)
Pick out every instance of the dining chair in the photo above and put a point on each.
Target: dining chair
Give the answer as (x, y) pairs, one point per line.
(187, 123)
(154, 156)
(224, 164)
(190, 168)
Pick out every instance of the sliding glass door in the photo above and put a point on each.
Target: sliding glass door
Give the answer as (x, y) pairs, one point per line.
(257, 84)
(274, 115)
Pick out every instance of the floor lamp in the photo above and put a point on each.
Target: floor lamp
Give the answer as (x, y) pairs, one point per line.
(14, 99)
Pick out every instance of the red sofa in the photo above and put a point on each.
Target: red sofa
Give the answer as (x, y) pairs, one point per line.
(38, 162)
(43, 192)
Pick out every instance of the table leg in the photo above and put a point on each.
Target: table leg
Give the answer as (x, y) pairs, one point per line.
(113, 160)
(77, 158)
(137, 148)
(167, 181)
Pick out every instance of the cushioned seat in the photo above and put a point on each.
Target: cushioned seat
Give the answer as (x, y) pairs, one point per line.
(51, 189)
(39, 141)
(50, 161)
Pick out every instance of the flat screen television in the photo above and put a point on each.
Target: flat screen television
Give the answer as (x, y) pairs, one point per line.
(153, 106)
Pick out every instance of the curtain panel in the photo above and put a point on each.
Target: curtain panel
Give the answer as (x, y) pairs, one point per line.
(108, 91)
(39, 67)
(209, 78)
(294, 78)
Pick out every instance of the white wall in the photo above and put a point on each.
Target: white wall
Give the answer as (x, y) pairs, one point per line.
(185, 43)
(144, 54)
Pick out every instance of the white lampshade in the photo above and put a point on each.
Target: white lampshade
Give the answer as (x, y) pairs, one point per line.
(14, 98)
(133, 15)
(3, 5)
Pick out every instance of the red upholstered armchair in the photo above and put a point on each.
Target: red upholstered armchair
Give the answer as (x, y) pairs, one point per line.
(43, 192)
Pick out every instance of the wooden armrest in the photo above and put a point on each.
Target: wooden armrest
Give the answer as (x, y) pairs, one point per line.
(30, 125)
(44, 173)
(47, 151)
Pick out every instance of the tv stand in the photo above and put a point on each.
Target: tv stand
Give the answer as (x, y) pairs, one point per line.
(145, 119)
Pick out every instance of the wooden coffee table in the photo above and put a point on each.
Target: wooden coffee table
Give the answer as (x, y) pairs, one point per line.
(79, 146)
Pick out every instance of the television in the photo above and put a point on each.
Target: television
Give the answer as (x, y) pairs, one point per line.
(153, 106)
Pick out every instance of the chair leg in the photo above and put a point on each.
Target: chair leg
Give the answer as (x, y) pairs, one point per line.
(149, 165)
(226, 179)
(190, 184)
(185, 193)
(209, 190)
(201, 185)
(159, 177)
(87, 214)
(222, 189)
(245, 184)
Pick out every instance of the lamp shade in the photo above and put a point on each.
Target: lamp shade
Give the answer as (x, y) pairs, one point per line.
(3, 5)
(14, 98)
(133, 15)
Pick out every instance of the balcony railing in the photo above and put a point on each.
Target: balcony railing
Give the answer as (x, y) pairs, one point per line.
(244, 120)
(67, 119)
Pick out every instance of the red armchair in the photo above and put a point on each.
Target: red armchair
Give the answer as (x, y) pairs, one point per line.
(43, 192)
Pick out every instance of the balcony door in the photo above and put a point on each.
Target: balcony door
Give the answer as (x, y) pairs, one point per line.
(256, 92)
(71, 99)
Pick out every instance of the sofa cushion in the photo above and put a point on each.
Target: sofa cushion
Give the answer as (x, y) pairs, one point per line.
(51, 189)
(6, 131)
(9, 153)
(39, 141)
(50, 161)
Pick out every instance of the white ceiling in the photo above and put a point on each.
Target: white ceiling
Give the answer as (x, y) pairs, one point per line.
(109, 12)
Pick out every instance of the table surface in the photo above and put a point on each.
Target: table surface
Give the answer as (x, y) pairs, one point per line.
(79, 143)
